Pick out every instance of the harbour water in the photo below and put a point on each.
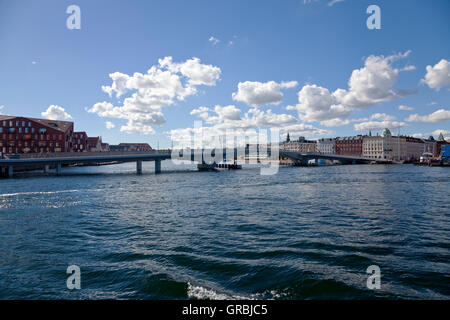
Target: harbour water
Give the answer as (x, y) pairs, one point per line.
(304, 233)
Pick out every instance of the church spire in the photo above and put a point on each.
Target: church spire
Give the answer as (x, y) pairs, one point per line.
(288, 139)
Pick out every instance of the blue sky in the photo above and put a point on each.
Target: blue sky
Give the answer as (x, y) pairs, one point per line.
(265, 48)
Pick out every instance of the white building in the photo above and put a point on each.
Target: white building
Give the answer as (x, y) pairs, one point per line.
(384, 147)
(326, 146)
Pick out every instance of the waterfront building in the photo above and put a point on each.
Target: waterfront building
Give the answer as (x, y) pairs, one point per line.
(301, 145)
(350, 146)
(385, 146)
(32, 135)
(127, 147)
(80, 142)
(326, 146)
(94, 144)
(105, 147)
(414, 149)
(430, 146)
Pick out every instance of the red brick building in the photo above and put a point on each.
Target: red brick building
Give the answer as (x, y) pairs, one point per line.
(31, 135)
(80, 141)
(349, 146)
(94, 144)
(131, 147)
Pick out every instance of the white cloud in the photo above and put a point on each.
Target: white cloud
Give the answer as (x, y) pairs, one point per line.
(213, 40)
(54, 112)
(382, 117)
(33, 62)
(440, 115)
(228, 119)
(417, 135)
(378, 125)
(368, 86)
(335, 122)
(373, 83)
(258, 94)
(318, 104)
(445, 133)
(230, 43)
(405, 108)
(228, 112)
(161, 86)
(438, 76)
(110, 125)
(408, 68)
(196, 72)
(1, 108)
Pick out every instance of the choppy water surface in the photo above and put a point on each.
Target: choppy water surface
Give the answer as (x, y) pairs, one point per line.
(305, 233)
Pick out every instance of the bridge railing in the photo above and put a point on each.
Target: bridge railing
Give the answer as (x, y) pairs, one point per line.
(79, 154)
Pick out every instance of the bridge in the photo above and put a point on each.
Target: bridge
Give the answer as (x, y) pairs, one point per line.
(57, 160)
(8, 165)
(302, 159)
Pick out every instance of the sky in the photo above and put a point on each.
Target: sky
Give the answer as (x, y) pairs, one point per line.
(146, 71)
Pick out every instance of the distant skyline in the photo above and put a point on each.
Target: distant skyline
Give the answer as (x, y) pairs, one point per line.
(145, 71)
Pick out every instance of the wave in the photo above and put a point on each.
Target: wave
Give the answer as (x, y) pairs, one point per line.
(5, 195)
(201, 293)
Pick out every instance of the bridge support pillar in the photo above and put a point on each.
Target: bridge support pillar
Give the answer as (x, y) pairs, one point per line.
(10, 171)
(46, 168)
(157, 166)
(58, 169)
(139, 167)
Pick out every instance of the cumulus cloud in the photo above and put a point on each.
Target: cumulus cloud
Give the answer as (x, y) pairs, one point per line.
(440, 115)
(55, 112)
(335, 122)
(382, 117)
(110, 125)
(438, 76)
(318, 104)
(1, 108)
(367, 86)
(372, 84)
(378, 125)
(147, 93)
(229, 119)
(405, 108)
(257, 94)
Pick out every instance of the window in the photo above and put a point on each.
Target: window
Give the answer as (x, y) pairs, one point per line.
(23, 123)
